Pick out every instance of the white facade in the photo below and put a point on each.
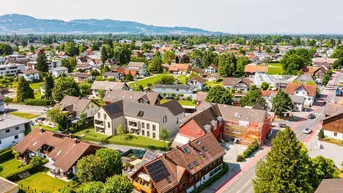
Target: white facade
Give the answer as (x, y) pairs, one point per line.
(176, 91)
(2, 105)
(11, 140)
(30, 77)
(11, 69)
(333, 135)
(12, 134)
(56, 72)
(210, 70)
(309, 100)
(238, 87)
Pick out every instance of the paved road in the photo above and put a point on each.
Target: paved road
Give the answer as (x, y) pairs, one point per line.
(26, 108)
(243, 184)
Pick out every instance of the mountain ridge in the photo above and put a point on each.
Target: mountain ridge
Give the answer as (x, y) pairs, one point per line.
(25, 24)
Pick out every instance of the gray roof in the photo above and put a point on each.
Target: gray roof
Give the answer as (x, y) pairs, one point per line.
(136, 64)
(59, 69)
(72, 103)
(7, 186)
(174, 86)
(297, 99)
(304, 78)
(110, 74)
(174, 106)
(11, 121)
(330, 186)
(125, 95)
(107, 85)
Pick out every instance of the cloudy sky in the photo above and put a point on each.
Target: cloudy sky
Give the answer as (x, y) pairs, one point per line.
(234, 16)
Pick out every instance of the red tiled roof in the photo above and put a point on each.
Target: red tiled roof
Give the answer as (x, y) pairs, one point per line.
(255, 68)
(311, 89)
(180, 67)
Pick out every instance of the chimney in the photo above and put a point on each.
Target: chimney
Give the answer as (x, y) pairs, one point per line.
(71, 135)
(75, 140)
(41, 130)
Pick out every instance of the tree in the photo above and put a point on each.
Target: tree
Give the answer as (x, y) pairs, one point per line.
(36, 161)
(281, 103)
(118, 184)
(241, 63)
(166, 79)
(85, 89)
(24, 91)
(253, 97)
(32, 49)
(219, 94)
(101, 94)
(337, 53)
(155, 66)
(67, 190)
(65, 86)
(120, 130)
(321, 134)
(164, 135)
(59, 117)
(286, 168)
(111, 160)
(49, 85)
(91, 168)
(322, 168)
(66, 63)
(264, 86)
(5, 49)
(93, 187)
(227, 64)
(104, 55)
(294, 60)
(168, 57)
(71, 49)
(42, 63)
(338, 63)
(184, 59)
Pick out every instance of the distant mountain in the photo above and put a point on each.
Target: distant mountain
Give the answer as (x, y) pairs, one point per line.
(23, 24)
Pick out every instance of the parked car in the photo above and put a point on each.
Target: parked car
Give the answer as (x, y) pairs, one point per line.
(307, 131)
(46, 108)
(311, 116)
(282, 125)
(40, 119)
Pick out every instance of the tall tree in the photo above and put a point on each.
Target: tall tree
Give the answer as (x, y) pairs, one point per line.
(5, 49)
(253, 97)
(168, 57)
(93, 187)
(227, 64)
(241, 63)
(71, 49)
(111, 160)
(323, 168)
(118, 184)
(155, 66)
(49, 85)
(104, 55)
(286, 168)
(164, 135)
(24, 91)
(42, 62)
(65, 86)
(91, 168)
(282, 103)
(219, 94)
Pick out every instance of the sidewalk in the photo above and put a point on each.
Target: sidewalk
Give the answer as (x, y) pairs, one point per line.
(122, 148)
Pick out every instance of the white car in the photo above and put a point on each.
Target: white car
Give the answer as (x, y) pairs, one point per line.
(307, 131)
(46, 108)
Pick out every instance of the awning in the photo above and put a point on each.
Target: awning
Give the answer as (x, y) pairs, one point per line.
(144, 176)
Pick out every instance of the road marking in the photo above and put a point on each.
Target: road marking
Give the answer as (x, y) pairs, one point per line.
(245, 185)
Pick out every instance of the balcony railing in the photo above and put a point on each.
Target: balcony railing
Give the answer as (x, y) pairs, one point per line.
(97, 122)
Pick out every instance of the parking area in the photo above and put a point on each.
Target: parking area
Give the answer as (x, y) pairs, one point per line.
(232, 151)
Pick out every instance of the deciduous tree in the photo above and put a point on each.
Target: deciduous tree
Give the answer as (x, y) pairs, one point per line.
(253, 97)
(227, 64)
(111, 160)
(118, 184)
(164, 135)
(24, 91)
(91, 168)
(65, 86)
(282, 103)
(49, 85)
(219, 94)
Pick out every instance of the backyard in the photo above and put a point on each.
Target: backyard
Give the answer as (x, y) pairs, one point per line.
(8, 166)
(25, 115)
(38, 126)
(36, 89)
(214, 83)
(275, 68)
(182, 102)
(144, 82)
(130, 140)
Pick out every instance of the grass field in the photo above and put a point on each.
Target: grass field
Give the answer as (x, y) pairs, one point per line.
(25, 115)
(36, 88)
(8, 166)
(182, 102)
(182, 78)
(145, 81)
(38, 126)
(275, 68)
(213, 84)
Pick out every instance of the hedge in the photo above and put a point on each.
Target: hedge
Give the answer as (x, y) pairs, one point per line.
(13, 175)
(251, 149)
(211, 180)
(36, 102)
(6, 155)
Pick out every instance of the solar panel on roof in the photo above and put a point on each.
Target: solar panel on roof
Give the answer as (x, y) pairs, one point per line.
(157, 170)
(150, 156)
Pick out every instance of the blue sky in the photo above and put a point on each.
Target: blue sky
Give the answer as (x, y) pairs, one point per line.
(234, 16)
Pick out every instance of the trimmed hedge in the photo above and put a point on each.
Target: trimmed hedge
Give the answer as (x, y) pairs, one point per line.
(36, 102)
(251, 149)
(6, 154)
(13, 175)
(211, 180)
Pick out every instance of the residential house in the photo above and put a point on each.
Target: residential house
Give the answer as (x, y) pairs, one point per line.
(304, 78)
(333, 125)
(57, 72)
(305, 90)
(183, 69)
(2, 103)
(75, 106)
(213, 77)
(139, 118)
(12, 130)
(197, 82)
(107, 86)
(268, 96)
(62, 151)
(11, 69)
(7, 186)
(298, 102)
(317, 72)
(83, 67)
(114, 75)
(80, 77)
(200, 97)
(252, 69)
(332, 108)
(183, 169)
(30, 75)
(330, 186)
(185, 90)
(211, 69)
(151, 98)
(276, 81)
(241, 123)
(237, 84)
(199, 71)
(140, 67)
(326, 62)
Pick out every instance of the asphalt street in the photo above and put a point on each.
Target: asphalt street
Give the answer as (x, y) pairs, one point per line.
(244, 184)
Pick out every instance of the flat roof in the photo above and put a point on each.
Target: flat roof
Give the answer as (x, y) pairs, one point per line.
(7, 186)
(8, 121)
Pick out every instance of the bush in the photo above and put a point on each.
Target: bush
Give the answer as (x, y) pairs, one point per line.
(321, 134)
(189, 98)
(36, 161)
(6, 155)
(240, 158)
(251, 149)
(8, 100)
(36, 102)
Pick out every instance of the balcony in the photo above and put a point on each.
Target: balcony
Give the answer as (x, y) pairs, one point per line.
(143, 187)
(99, 123)
(99, 130)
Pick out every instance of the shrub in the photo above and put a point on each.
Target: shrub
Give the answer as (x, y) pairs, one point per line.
(251, 149)
(36, 161)
(6, 155)
(189, 98)
(240, 158)
(36, 102)
(321, 134)
(8, 100)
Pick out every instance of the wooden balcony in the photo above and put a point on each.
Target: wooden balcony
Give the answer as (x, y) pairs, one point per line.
(139, 187)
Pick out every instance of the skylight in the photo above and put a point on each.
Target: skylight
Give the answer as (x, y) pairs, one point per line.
(195, 163)
(140, 114)
(186, 150)
(190, 166)
(59, 152)
(35, 143)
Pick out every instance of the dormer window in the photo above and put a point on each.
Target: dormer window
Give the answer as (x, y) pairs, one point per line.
(186, 150)
(190, 166)
(140, 114)
(204, 148)
(195, 163)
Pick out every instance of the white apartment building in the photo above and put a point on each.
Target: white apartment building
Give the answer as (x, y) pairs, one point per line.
(11, 69)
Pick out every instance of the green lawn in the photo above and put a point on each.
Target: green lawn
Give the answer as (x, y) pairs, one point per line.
(275, 68)
(25, 115)
(131, 140)
(213, 84)
(38, 126)
(8, 166)
(182, 78)
(36, 87)
(182, 102)
(145, 81)
(41, 182)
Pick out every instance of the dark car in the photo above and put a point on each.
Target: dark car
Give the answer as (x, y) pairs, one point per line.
(311, 116)
(40, 119)
(282, 125)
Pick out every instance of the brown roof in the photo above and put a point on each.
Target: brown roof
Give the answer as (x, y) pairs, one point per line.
(174, 106)
(66, 150)
(198, 70)
(30, 71)
(117, 95)
(81, 75)
(153, 96)
(180, 67)
(311, 89)
(71, 103)
(213, 66)
(199, 79)
(7, 186)
(255, 68)
(310, 70)
(268, 92)
(332, 108)
(136, 64)
(330, 186)
(234, 81)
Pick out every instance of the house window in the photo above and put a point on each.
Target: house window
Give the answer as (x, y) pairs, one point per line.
(108, 125)
(143, 132)
(143, 125)
(148, 133)
(165, 119)
(153, 127)
(140, 114)
(16, 128)
(98, 115)
(335, 134)
(154, 135)
(148, 126)
(7, 130)
(105, 116)
(16, 137)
